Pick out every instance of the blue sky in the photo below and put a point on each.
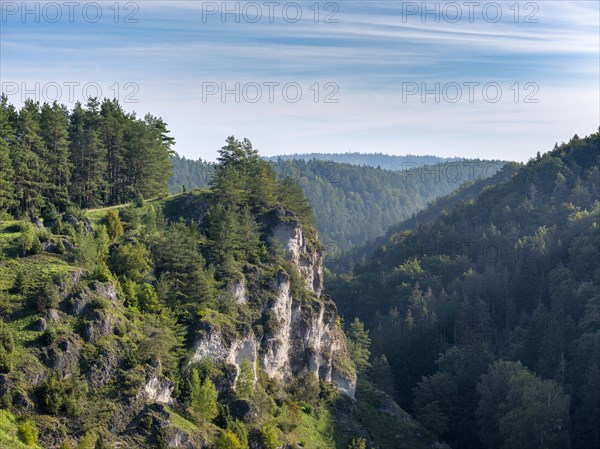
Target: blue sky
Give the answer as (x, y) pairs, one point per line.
(373, 58)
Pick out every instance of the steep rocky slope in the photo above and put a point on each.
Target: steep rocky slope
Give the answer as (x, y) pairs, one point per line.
(87, 366)
(303, 335)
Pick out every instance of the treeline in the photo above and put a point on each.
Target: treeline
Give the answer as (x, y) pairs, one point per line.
(189, 174)
(92, 156)
(506, 288)
(375, 160)
(354, 204)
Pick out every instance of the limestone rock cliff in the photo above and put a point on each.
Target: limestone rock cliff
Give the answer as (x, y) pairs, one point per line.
(302, 333)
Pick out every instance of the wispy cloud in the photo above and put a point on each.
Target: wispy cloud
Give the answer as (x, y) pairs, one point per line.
(370, 55)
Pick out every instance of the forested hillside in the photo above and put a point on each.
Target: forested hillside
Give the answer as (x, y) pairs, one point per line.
(189, 174)
(346, 260)
(489, 315)
(195, 321)
(97, 155)
(355, 204)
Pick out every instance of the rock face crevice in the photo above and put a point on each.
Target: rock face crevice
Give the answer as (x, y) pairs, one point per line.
(302, 336)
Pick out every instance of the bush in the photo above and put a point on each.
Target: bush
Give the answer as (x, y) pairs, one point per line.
(48, 298)
(6, 361)
(147, 299)
(269, 437)
(357, 443)
(7, 338)
(245, 380)
(27, 238)
(114, 227)
(62, 395)
(88, 441)
(19, 286)
(228, 440)
(6, 308)
(50, 214)
(203, 397)
(290, 417)
(27, 432)
(62, 228)
(7, 348)
(132, 260)
(240, 430)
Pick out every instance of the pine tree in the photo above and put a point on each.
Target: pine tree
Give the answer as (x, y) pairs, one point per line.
(358, 344)
(113, 123)
(290, 195)
(203, 397)
(381, 375)
(87, 155)
(31, 175)
(7, 195)
(7, 173)
(55, 132)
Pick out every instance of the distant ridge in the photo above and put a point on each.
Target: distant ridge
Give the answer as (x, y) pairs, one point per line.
(386, 161)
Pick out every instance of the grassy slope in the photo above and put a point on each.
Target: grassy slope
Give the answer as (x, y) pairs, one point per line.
(8, 433)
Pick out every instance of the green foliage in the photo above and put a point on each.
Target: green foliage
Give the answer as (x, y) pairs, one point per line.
(94, 155)
(147, 299)
(358, 345)
(511, 273)
(7, 173)
(381, 375)
(181, 268)
(239, 429)
(358, 443)
(19, 283)
(203, 397)
(138, 200)
(305, 388)
(245, 380)
(88, 441)
(132, 260)
(353, 203)
(28, 240)
(7, 338)
(8, 346)
(48, 298)
(62, 395)
(130, 293)
(269, 437)
(65, 444)
(235, 235)
(27, 431)
(228, 440)
(518, 410)
(161, 341)
(92, 253)
(114, 227)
